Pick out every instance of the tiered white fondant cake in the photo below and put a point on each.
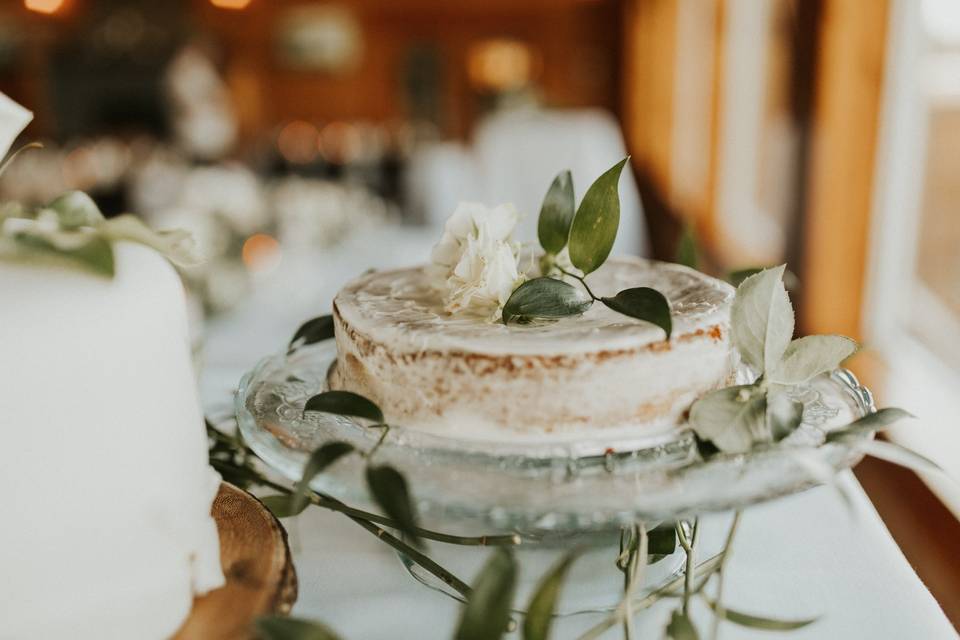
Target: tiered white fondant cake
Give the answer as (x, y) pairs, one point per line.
(106, 527)
(464, 375)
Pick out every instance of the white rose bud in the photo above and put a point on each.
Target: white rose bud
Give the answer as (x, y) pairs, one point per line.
(475, 264)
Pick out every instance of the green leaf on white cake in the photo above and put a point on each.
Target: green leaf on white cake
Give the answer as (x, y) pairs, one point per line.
(594, 226)
(282, 506)
(870, 423)
(758, 622)
(808, 357)
(681, 627)
(687, 253)
(76, 209)
(762, 319)
(319, 460)
(556, 214)
(543, 602)
(84, 248)
(486, 614)
(784, 415)
(389, 490)
(643, 303)
(283, 628)
(733, 419)
(544, 298)
(315, 330)
(899, 455)
(344, 403)
(176, 245)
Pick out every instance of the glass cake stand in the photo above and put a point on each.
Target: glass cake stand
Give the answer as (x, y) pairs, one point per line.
(558, 492)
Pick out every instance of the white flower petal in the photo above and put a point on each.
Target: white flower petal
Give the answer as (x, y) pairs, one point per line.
(13, 120)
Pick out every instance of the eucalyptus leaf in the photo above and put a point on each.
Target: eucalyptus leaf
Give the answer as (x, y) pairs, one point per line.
(594, 227)
(784, 415)
(543, 603)
(643, 303)
(758, 622)
(283, 628)
(681, 627)
(389, 490)
(88, 249)
(733, 419)
(556, 214)
(282, 506)
(176, 245)
(97, 254)
(762, 319)
(687, 253)
(898, 455)
(314, 330)
(869, 423)
(544, 298)
(76, 209)
(486, 614)
(808, 357)
(662, 540)
(320, 459)
(344, 403)
(737, 277)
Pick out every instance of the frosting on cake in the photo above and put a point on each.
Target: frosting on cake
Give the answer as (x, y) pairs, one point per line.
(107, 531)
(463, 374)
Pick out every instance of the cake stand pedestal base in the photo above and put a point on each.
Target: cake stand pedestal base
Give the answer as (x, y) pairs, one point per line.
(256, 562)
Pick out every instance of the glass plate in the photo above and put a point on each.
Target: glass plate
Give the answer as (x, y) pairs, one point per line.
(548, 488)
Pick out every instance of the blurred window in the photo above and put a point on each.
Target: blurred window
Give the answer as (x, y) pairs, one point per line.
(912, 313)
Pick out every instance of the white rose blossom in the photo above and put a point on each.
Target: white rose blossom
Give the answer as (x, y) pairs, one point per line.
(476, 262)
(13, 120)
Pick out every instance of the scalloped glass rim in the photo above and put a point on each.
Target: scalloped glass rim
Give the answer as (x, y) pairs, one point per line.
(559, 487)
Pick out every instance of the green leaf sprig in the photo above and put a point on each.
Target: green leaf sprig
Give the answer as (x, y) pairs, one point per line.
(736, 419)
(587, 233)
(71, 229)
(312, 331)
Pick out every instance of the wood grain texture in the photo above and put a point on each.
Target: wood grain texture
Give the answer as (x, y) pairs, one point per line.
(256, 562)
(846, 117)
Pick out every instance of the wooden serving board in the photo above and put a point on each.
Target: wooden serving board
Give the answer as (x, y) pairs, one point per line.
(256, 562)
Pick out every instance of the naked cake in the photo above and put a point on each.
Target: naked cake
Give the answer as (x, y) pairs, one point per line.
(397, 345)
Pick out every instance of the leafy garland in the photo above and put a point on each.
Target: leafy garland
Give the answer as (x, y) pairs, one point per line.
(71, 230)
(587, 234)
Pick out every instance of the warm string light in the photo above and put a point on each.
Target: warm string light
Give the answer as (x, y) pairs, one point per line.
(44, 6)
(261, 253)
(230, 4)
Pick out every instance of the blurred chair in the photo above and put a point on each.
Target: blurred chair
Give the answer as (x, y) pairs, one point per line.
(516, 155)
(520, 151)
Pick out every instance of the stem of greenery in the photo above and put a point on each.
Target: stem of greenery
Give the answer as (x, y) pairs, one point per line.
(416, 556)
(383, 436)
(727, 549)
(689, 570)
(582, 280)
(328, 502)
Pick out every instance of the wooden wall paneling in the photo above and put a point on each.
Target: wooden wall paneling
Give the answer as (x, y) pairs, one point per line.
(846, 117)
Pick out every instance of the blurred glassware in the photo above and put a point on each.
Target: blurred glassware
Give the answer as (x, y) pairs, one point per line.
(204, 120)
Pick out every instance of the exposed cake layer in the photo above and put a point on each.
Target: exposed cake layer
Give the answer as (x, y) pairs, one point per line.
(462, 374)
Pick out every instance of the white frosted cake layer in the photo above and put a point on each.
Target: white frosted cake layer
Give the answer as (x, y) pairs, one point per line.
(107, 531)
(464, 375)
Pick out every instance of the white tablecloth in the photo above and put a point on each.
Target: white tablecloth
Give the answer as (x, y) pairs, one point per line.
(799, 557)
